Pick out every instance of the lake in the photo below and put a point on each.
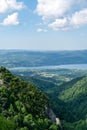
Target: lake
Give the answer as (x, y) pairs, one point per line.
(68, 66)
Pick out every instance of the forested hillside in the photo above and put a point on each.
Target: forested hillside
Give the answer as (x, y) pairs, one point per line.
(22, 106)
(68, 100)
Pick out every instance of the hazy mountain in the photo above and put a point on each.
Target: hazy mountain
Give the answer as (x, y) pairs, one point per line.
(14, 58)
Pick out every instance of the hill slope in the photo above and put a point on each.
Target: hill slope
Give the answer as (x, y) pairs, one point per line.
(22, 105)
(70, 103)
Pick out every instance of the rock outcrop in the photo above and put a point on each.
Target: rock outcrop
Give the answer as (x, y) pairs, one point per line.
(52, 116)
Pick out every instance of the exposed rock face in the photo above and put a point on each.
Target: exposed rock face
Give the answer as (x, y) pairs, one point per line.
(1, 82)
(58, 121)
(52, 116)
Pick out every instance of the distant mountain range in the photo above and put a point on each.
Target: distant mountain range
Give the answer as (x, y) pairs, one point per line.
(14, 58)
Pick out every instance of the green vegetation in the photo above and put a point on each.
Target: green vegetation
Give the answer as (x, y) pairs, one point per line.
(68, 99)
(74, 91)
(48, 79)
(22, 106)
(70, 104)
(80, 125)
(6, 124)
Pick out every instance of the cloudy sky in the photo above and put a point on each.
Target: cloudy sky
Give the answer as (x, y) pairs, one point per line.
(43, 24)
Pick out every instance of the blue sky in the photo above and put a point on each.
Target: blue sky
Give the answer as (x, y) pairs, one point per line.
(43, 24)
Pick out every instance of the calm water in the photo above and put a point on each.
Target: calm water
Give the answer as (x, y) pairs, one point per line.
(71, 66)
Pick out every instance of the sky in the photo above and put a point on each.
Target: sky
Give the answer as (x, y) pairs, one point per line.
(43, 24)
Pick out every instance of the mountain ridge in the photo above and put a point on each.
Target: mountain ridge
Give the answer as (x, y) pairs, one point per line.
(12, 59)
(23, 104)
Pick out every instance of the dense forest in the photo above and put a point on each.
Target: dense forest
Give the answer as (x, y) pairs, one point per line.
(22, 106)
(23, 99)
(70, 104)
(68, 100)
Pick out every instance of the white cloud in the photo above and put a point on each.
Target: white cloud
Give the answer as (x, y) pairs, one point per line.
(75, 21)
(6, 5)
(42, 30)
(63, 14)
(53, 8)
(39, 30)
(11, 20)
(79, 18)
(59, 24)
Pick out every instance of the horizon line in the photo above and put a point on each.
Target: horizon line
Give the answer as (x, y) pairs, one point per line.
(38, 50)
